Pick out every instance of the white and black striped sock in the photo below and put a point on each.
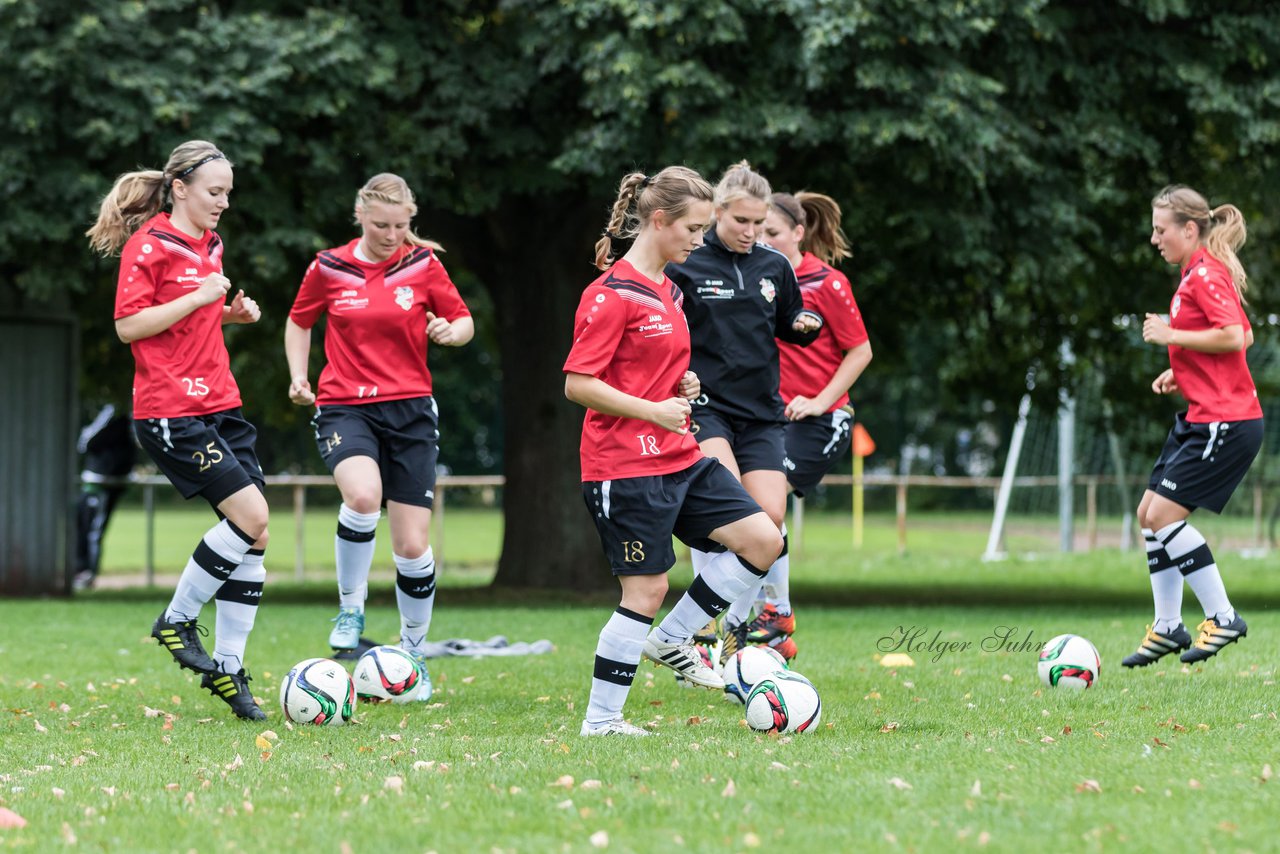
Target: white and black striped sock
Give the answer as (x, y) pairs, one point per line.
(1166, 584)
(617, 656)
(220, 551)
(416, 596)
(237, 600)
(353, 554)
(1189, 552)
(723, 580)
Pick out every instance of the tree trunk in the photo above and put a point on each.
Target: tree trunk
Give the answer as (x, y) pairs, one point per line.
(534, 256)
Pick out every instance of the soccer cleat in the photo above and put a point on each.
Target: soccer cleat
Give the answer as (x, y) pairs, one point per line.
(617, 726)
(734, 639)
(707, 635)
(1213, 637)
(425, 692)
(769, 626)
(1156, 646)
(346, 634)
(786, 647)
(183, 644)
(233, 689)
(684, 659)
(708, 659)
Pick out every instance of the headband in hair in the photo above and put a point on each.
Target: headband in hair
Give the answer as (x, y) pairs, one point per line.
(194, 166)
(788, 212)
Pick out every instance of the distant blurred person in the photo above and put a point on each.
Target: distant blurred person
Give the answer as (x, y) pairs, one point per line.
(814, 380)
(386, 295)
(170, 309)
(1213, 443)
(109, 452)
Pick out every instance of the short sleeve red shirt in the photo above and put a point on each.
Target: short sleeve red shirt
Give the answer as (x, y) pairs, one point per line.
(1217, 386)
(805, 371)
(631, 333)
(375, 345)
(184, 370)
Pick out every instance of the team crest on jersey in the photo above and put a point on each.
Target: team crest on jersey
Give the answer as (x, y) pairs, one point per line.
(1177, 304)
(404, 297)
(767, 290)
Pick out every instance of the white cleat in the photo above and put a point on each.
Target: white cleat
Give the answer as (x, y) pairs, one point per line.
(685, 660)
(617, 726)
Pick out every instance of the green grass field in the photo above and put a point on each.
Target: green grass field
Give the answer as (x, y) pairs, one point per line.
(105, 744)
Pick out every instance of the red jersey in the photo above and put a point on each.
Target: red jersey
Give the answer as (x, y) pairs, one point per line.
(375, 345)
(184, 370)
(1217, 386)
(805, 371)
(631, 333)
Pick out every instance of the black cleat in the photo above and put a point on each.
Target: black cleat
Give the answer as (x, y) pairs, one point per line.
(1213, 637)
(1156, 646)
(233, 689)
(183, 644)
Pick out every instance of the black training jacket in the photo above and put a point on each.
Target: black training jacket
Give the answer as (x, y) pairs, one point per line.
(736, 305)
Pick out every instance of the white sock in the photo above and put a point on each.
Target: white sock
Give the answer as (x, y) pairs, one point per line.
(723, 580)
(1166, 584)
(237, 602)
(700, 559)
(1193, 558)
(778, 580)
(416, 596)
(220, 551)
(353, 553)
(617, 657)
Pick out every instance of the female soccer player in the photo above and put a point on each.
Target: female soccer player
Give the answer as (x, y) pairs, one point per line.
(1212, 443)
(386, 294)
(740, 296)
(170, 308)
(815, 380)
(644, 477)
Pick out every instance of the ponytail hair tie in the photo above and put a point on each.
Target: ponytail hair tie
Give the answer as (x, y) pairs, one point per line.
(646, 181)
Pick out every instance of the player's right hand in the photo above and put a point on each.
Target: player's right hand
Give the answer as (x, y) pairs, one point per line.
(1165, 383)
(672, 414)
(300, 391)
(213, 288)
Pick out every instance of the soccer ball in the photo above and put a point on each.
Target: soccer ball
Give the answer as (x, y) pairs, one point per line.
(748, 666)
(784, 701)
(318, 691)
(388, 673)
(1069, 661)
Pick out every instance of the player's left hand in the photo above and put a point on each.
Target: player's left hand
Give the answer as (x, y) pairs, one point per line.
(440, 331)
(690, 386)
(803, 407)
(1156, 331)
(807, 321)
(243, 309)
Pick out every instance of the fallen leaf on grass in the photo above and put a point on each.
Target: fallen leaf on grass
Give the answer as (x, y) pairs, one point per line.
(262, 743)
(889, 727)
(39, 726)
(58, 793)
(234, 763)
(1159, 743)
(897, 659)
(600, 839)
(694, 720)
(1195, 784)
(1088, 786)
(976, 789)
(1138, 790)
(68, 835)
(150, 712)
(729, 789)
(395, 783)
(10, 819)
(900, 784)
(750, 840)
(1048, 739)
(1266, 772)
(564, 782)
(590, 784)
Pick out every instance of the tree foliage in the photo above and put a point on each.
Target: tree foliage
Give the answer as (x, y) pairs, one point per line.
(994, 159)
